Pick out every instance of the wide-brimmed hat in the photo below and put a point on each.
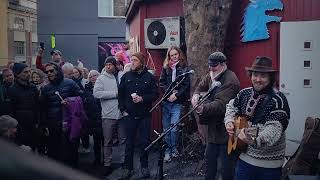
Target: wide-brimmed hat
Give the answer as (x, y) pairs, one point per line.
(262, 64)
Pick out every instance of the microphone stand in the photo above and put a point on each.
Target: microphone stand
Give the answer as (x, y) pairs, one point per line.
(166, 94)
(162, 144)
(160, 136)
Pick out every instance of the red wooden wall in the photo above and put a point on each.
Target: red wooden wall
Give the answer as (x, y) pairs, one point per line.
(239, 54)
(242, 54)
(158, 9)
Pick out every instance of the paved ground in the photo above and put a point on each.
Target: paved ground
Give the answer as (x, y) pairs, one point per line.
(188, 166)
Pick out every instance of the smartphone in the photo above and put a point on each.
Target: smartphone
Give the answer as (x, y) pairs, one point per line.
(42, 45)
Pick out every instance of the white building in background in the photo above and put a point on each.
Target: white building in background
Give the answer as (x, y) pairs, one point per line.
(22, 30)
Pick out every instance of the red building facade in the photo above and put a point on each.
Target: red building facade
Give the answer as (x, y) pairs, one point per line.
(239, 54)
(137, 12)
(242, 54)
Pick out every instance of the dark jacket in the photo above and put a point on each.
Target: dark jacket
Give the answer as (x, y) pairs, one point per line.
(214, 109)
(24, 101)
(183, 88)
(51, 103)
(93, 109)
(24, 105)
(4, 100)
(143, 84)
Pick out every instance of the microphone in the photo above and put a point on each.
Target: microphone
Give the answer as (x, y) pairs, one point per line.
(189, 72)
(58, 94)
(183, 74)
(214, 86)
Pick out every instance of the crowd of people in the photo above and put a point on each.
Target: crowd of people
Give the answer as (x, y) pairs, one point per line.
(56, 106)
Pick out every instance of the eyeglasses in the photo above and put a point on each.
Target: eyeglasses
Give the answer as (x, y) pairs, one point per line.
(49, 71)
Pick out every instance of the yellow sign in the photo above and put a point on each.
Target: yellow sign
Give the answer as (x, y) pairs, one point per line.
(53, 41)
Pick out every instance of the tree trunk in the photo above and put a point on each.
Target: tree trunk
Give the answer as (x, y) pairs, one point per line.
(206, 23)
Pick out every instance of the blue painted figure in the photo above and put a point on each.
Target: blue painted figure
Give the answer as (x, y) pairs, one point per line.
(254, 26)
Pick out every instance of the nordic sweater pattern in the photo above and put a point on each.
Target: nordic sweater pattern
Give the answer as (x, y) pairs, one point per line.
(272, 121)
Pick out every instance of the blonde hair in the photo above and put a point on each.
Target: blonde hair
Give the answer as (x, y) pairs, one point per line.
(182, 58)
(93, 72)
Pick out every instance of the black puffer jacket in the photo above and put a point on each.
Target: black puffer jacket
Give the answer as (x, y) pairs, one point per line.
(4, 100)
(144, 85)
(24, 101)
(52, 103)
(92, 107)
(183, 89)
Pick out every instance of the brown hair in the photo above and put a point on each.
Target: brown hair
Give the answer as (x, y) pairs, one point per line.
(272, 76)
(141, 57)
(182, 57)
(79, 70)
(39, 73)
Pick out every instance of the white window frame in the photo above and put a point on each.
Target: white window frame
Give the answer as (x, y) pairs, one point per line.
(20, 47)
(112, 9)
(35, 48)
(34, 26)
(19, 24)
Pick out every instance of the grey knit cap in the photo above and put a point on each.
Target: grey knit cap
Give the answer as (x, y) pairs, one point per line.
(7, 122)
(216, 58)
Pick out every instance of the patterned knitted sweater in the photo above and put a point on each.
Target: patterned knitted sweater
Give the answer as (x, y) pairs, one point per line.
(268, 110)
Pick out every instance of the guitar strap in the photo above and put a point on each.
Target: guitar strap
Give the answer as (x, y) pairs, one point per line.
(258, 115)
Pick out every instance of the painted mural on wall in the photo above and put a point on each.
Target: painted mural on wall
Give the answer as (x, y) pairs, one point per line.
(106, 49)
(255, 20)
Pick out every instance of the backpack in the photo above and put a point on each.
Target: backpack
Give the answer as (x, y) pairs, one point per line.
(305, 161)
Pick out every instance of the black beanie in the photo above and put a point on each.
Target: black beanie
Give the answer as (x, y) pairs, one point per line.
(18, 68)
(112, 60)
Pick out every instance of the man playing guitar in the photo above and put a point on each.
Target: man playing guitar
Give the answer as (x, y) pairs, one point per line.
(267, 109)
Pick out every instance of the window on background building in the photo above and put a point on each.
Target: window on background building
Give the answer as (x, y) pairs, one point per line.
(105, 8)
(34, 48)
(34, 26)
(19, 46)
(18, 24)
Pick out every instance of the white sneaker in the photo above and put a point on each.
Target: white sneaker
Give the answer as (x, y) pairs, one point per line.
(167, 158)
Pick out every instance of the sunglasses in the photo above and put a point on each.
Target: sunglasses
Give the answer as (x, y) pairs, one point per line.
(49, 71)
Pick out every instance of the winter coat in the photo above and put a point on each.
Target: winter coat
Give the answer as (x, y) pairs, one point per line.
(144, 85)
(106, 89)
(214, 109)
(4, 100)
(183, 89)
(24, 101)
(75, 119)
(81, 82)
(24, 105)
(51, 103)
(93, 110)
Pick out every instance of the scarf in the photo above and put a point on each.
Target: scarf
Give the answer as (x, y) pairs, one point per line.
(172, 65)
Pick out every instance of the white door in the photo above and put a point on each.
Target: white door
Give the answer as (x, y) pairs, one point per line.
(300, 75)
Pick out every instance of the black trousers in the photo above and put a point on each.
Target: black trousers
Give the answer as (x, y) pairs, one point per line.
(60, 148)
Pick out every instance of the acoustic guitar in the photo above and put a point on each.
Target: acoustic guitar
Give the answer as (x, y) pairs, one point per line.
(239, 124)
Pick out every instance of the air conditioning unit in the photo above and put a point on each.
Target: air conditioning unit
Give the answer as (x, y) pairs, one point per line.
(162, 33)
